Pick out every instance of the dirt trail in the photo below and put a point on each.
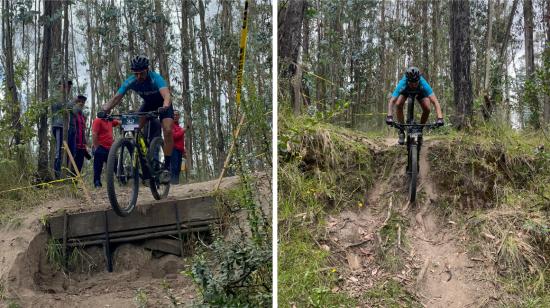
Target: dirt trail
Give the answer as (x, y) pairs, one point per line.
(450, 278)
(27, 278)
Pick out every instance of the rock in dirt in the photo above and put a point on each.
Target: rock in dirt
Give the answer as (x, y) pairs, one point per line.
(354, 261)
(167, 265)
(128, 256)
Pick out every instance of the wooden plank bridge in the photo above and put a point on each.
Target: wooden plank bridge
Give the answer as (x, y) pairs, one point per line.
(162, 218)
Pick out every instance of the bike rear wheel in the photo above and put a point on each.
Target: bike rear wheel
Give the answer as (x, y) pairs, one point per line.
(413, 172)
(156, 159)
(122, 177)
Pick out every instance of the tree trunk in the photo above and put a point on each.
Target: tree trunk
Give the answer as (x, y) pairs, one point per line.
(11, 91)
(488, 110)
(504, 45)
(528, 23)
(305, 53)
(217, 135)
(530, 97)
(460, 62)
(50, 10)
(185, 57)
(65, 78)
(546, 59)
(425, 59)
(290, 25)
(382, 53)
(435, 44)
(91, 64)
(161, 46)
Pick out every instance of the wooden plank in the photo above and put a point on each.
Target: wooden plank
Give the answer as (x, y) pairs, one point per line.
(164, 245)
(114, 235)
(159, 214)
(138, 237)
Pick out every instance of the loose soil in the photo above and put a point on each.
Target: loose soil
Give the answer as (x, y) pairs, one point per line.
(431, 260)
(28, 279)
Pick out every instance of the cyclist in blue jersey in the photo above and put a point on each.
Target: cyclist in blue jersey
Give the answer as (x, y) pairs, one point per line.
(413, 83)
(152, 88)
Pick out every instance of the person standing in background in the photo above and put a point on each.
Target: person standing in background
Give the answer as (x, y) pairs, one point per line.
(80, 132)
(102, 140)
(57, 120)
(179, 148)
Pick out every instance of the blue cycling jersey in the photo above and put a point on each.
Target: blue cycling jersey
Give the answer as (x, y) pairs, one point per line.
(148, 89)
(423, 89)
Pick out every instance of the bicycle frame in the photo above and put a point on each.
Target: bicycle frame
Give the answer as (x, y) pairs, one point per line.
(414, 143)
(141, 144)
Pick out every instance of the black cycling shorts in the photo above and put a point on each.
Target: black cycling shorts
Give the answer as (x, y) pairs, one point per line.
(168, 113)
(419, 96)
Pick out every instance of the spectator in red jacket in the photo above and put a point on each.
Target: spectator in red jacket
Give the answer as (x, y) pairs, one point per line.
(179, 148)
(102, 140)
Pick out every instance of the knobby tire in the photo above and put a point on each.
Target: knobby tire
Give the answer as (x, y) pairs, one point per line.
(126, 147)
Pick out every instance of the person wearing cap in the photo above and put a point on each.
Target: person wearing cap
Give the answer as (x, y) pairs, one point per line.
(57, 121)
(179, 148)
(80, 132)
(102, 140)
(152, 88)
(413, 83)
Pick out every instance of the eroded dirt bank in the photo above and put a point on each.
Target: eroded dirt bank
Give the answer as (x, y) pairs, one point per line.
(28, 279)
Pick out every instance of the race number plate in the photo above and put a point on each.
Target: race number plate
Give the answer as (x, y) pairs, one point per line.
(130, 123)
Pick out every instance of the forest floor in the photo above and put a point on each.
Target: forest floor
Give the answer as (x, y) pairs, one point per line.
(433, 257)
(139, 279)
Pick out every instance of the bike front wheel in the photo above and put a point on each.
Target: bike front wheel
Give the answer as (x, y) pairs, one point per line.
(413, 172)
(122, 177)
(156, 159)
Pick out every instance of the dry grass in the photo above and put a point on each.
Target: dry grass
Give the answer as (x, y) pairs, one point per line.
(496, 183)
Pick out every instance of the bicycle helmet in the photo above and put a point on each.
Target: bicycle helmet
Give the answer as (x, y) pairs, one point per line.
(139, 63)
(413, 74)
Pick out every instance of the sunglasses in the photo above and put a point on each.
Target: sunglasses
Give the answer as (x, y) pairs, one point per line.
(140, 72)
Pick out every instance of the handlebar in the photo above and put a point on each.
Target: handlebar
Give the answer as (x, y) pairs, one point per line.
(403, 126)
(149, 114)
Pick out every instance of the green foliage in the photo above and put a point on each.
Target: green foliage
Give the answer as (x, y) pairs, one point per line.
(390, 294)
(315, 159)
(306, 276)
(532, 102)
(236, 271)
(54, 253)
(140, 298)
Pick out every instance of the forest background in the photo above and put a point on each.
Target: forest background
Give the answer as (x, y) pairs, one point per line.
(194, 45)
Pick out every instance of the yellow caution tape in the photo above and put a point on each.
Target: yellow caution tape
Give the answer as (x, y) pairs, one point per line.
(242, 53)
(37, 185)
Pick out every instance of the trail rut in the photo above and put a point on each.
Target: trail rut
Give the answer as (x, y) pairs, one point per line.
(429, 245)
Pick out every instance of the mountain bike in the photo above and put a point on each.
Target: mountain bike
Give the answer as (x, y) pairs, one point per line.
(132, 158)
(413, 133)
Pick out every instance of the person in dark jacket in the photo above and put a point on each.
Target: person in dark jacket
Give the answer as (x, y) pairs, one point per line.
(80, 132)
(57, 121)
